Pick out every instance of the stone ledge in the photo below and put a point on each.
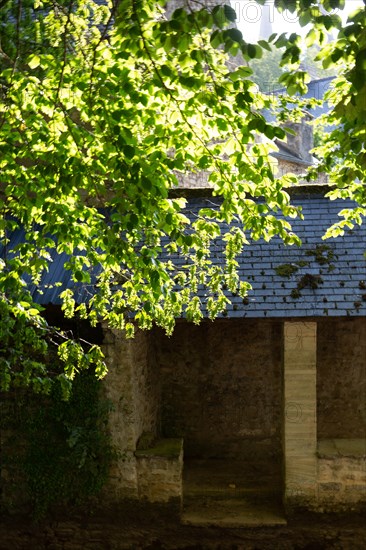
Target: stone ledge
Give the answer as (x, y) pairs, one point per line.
(163, 448)
(304, 189)
(335, 448)
(159, 471)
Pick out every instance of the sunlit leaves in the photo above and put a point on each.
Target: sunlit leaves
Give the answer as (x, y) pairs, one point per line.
(341, 152)
(100, 125)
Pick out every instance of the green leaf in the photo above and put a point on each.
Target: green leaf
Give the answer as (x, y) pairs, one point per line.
(254, 51)
(233, 34)
(129, 151)
(264, 44)
(230, 13)
(34, 61)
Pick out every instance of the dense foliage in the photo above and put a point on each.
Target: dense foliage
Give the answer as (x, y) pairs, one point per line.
(103, 111)
(55, 453)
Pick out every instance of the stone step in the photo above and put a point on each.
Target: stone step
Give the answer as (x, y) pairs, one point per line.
(231, 513)
(221, 493)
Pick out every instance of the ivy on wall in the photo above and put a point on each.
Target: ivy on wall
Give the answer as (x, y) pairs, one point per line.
(57, 452)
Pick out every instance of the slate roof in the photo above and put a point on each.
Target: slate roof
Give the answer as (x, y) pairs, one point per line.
(337, 267)
(47, 292)
(332, 272)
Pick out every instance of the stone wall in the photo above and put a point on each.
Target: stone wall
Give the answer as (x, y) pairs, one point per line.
(199, 180)
(341, 482)
(193, 180)
(222, 388)
(341, 378)
(133, 388)
(146, 385)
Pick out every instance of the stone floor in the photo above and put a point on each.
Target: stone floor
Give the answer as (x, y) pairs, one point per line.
(231, 494)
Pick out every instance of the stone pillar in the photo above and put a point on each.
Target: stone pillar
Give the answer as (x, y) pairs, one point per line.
(300, 432)
(118, 387)
(132, 386)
